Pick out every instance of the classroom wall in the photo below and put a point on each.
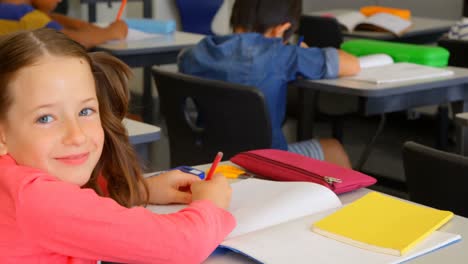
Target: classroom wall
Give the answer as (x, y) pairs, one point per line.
(162, 9)
(166, 9)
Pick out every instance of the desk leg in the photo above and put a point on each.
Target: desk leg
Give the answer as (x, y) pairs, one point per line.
(147, 100)
(92, 12)
(147, 8)
(306, 113)
(462, 132)
(442, 129)
(368, 148)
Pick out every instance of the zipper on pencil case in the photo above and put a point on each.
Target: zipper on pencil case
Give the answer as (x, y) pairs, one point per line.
(326, 179)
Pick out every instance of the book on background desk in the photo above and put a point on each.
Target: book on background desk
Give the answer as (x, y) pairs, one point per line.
(383, 22)
(382, 223)
(274, 225)
(389, 72)
(134, 34)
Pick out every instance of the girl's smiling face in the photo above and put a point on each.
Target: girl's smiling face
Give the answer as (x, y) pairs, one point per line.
(53, 123)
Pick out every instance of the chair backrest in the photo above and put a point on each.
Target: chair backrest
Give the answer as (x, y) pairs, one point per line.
(458, 51)
(319, 31)
(436, 178)
(224, 117)
(196, 15)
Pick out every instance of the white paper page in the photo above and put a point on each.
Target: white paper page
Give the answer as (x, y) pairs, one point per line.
(259, 203)
(392, 23)
(294, 242)
(374, 60)
(350, 19)
(399, 72)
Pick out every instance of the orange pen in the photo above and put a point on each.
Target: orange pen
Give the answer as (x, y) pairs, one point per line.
(217, 159)
(121, 9)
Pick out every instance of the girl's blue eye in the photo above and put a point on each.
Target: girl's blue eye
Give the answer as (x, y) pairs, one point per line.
(45, 119)
(86, 112)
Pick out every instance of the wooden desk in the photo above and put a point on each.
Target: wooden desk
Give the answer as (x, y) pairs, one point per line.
(149, 52)
(423, 30)
(378, 99)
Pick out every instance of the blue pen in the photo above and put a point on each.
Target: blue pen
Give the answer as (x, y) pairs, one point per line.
(299, 42)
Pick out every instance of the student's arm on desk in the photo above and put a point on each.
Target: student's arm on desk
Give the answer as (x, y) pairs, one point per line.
(348, 64)
(69, 22)
(90, 35)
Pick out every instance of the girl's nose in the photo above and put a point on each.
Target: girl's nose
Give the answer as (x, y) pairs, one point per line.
(74, 133)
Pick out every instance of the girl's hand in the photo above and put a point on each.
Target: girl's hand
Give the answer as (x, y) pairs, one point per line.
(216, 190)
(171, 187)
(304, 45)
(118, 29)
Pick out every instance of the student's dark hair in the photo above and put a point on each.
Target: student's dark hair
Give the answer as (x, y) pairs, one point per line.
(260, 15)
(118, 163)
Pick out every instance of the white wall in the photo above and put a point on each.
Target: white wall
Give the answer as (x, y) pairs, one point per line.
(162, 9)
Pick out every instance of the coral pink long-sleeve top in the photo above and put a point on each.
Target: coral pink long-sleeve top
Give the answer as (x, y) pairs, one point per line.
(45, 220)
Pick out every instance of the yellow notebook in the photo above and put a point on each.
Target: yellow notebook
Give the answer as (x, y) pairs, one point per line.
(381, 223)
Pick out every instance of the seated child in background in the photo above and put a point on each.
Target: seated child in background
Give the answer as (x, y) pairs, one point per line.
(18, 15)
(256, 55)
(61, 131)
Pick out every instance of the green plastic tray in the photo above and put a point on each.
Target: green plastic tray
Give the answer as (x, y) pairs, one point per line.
(400, 52)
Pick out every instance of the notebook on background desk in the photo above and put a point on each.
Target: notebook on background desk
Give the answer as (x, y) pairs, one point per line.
(399, 72)
(275, 220)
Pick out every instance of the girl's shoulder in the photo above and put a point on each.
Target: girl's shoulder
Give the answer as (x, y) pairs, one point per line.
(14, 175)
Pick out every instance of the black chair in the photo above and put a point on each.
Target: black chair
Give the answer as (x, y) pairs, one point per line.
(197, 16)
(319, 31)
(436, 178)
(206, 116)
(458, 51)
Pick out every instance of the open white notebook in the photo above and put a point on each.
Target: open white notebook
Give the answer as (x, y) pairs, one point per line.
(275, 220)
(355, 20)
(397, 72)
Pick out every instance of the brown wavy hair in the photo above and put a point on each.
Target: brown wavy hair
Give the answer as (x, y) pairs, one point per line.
(118, 163)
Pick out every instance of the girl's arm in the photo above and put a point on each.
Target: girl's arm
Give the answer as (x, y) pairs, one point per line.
(92, 36)
(77, 222)
(88, 34)
(348, 64)
(70, 23)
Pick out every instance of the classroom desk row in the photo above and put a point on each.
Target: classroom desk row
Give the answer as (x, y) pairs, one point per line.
(455, 253)
(164, 49)
(373, 99)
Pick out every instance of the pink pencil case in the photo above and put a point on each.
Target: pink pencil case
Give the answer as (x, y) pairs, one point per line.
(282, 165)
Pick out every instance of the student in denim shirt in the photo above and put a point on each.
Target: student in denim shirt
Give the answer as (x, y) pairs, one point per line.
(256, 55)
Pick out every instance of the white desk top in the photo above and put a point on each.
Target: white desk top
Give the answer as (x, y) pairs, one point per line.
(139, 132)
(456, 253)
(166, 42)
(368, 89)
